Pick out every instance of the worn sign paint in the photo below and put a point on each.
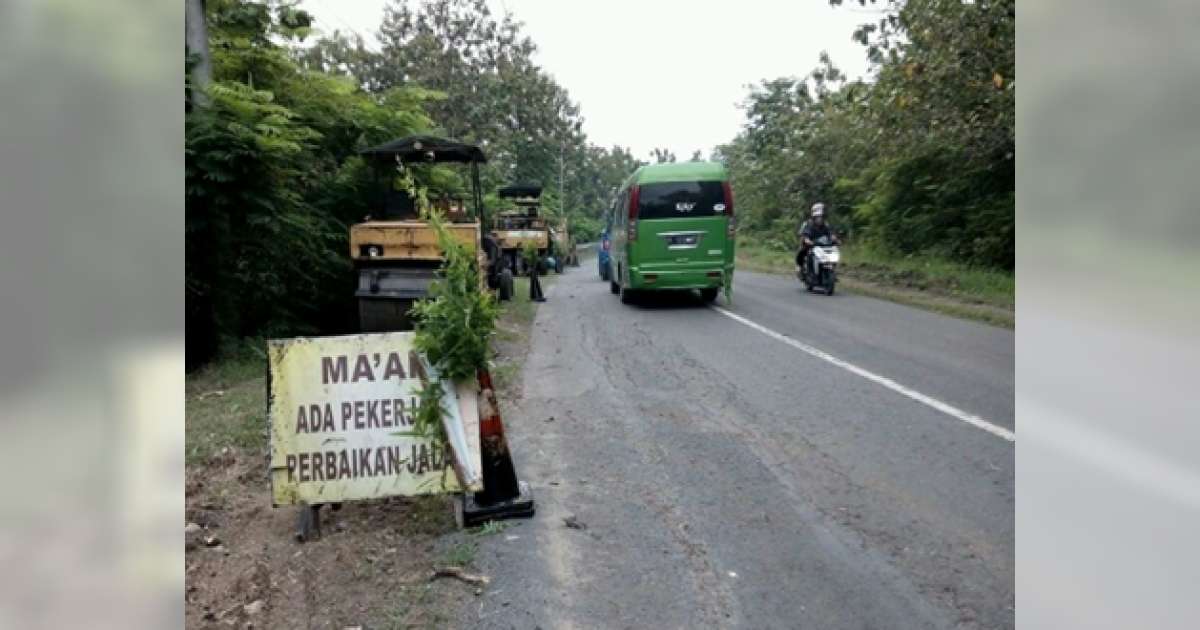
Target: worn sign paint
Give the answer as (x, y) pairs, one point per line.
(342, 412)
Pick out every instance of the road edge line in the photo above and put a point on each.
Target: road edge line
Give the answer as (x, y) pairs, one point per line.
(913, 394)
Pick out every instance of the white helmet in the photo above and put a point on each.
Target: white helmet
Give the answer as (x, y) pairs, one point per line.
(818, 210)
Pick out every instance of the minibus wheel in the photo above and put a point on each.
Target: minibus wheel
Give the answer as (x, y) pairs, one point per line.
(627, 295)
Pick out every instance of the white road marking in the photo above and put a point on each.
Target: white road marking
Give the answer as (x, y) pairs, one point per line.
(929, 401)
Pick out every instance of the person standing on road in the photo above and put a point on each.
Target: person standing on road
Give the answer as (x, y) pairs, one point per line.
(535, 287)
(811, 230)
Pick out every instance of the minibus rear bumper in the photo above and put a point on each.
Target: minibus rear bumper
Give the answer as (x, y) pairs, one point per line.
(704, 278)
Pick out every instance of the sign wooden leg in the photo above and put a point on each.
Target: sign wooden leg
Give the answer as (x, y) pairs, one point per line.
(457, 505)
(308, 522)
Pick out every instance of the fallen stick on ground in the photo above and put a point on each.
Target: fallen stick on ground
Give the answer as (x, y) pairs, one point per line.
(458, 573)
(221, 615)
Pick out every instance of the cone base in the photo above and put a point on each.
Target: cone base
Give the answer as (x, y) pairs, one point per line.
(519, 507)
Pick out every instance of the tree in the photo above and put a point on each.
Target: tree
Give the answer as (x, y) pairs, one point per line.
(196, 46)
(919, 159)
(495, 94)
(341, 55)
(492, 93)
(272, 179)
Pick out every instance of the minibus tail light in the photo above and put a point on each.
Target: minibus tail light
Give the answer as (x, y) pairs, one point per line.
(731, 221)
(633, 213)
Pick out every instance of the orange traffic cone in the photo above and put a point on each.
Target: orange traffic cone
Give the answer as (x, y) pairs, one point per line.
(503, 495)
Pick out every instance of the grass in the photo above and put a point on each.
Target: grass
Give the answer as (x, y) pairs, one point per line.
(364, 571)
(926, 273)
(415, 607)
(505, 375)
(512, 333)
(428, 515)
(490, 528)
(460, 555)
(226, 403)
(927, 282)
(396, 615)
(520, 309)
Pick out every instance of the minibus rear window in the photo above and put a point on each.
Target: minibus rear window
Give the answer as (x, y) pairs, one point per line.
(673, 200)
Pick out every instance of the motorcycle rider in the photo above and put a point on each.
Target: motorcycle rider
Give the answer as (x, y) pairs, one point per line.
(811, 230)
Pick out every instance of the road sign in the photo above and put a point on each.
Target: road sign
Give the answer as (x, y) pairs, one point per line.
(342, 411)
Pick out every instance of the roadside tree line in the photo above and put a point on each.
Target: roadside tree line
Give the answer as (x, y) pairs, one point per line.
(273, 179)
(916, 159)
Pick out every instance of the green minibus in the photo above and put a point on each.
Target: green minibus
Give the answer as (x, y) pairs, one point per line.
(673, 229)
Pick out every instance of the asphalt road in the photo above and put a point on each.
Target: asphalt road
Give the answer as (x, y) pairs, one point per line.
(728, 479)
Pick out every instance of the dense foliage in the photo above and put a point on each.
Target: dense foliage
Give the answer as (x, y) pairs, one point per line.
(273, 178)
(494, 95)
(916, 159)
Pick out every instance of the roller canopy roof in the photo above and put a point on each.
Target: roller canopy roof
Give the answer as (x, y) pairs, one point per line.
(521, 190)
(419, 148)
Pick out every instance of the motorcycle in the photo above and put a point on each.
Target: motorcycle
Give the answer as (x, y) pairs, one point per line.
(820, 266)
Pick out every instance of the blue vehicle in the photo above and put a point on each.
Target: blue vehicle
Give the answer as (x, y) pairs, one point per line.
(602, 256)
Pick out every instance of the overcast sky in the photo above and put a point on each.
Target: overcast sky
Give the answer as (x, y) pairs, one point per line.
(659, 73)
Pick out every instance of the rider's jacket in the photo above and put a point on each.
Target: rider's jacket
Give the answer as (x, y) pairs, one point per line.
(814, 232)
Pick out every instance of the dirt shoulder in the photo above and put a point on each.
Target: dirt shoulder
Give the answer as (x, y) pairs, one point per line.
(372, 567)
(510, 344)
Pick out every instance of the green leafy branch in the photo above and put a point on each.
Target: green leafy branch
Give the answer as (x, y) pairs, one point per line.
(530, 253)
(454, 324)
